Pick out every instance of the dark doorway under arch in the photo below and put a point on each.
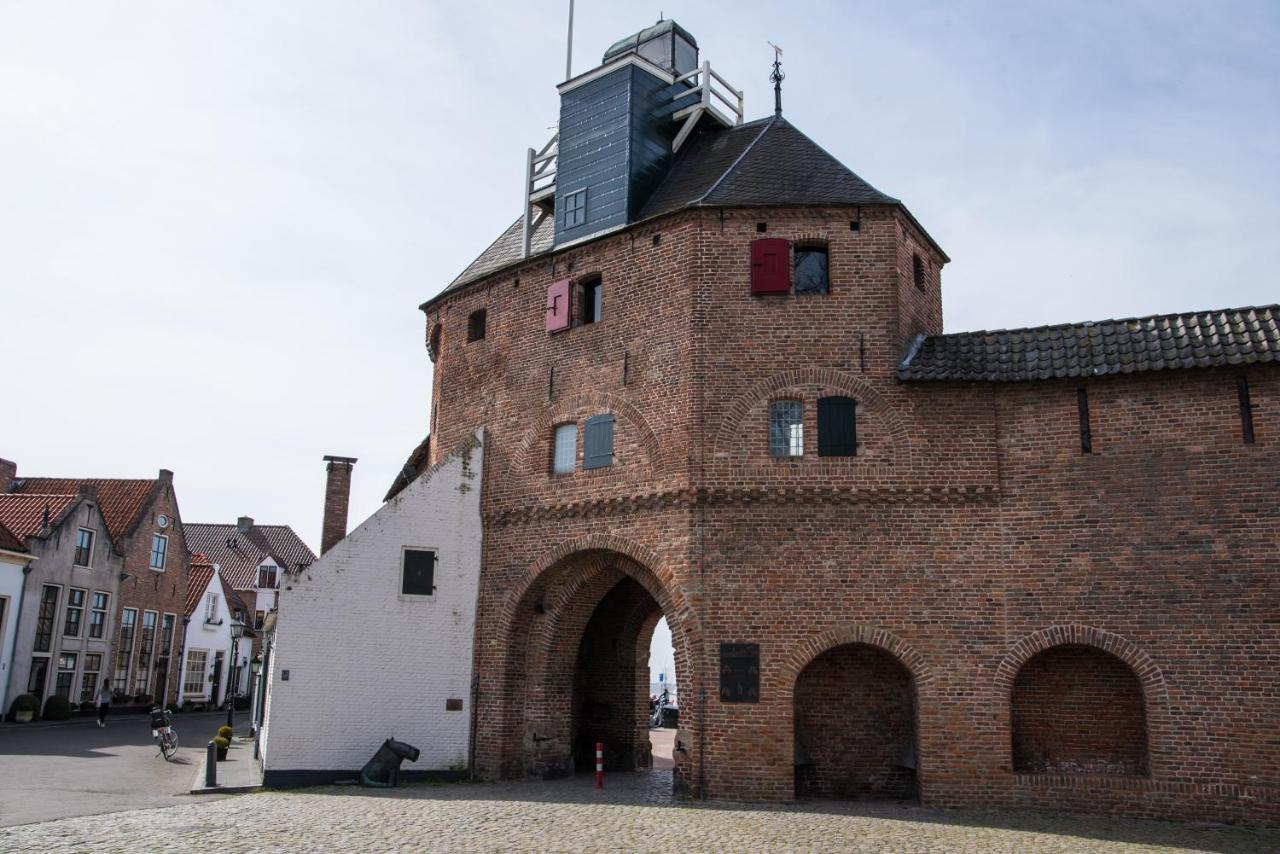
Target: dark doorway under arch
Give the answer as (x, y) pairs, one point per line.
(855, 726)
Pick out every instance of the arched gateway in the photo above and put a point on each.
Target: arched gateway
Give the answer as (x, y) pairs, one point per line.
(575, 637)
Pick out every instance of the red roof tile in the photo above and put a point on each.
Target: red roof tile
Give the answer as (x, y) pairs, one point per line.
(239, 554)
(22, 516)
(197, 581)
(119, 499)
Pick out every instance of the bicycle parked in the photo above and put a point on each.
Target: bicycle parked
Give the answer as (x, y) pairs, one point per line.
(163, 732)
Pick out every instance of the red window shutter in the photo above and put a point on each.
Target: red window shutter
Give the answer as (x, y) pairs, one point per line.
(770, 266)
(558, 316)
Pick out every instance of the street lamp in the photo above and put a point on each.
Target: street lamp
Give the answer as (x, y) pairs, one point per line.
(237, 629)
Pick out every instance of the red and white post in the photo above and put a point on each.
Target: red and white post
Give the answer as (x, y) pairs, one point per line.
(599, 764)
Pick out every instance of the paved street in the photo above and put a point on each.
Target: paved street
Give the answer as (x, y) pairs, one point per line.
(50, 771)
(634, 812)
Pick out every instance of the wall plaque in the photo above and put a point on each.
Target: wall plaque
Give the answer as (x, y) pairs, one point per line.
(739, 672)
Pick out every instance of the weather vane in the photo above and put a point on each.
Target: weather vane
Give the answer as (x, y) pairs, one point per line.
(777, 77)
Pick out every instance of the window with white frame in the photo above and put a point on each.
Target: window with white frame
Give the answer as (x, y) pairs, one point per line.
(565, 457)
(89, 681)
(267, 575)
(193, 678)
(75, 613)
(146, 645)
(786, 428)
(211, 608)
(159, 550)
(128, 621)
(98, 614)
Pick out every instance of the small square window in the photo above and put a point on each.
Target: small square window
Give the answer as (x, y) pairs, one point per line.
(811, 270)
(917, 271)
(575, 208)
(475, 325)
(565, 455)
(786, 428)
(418, 576)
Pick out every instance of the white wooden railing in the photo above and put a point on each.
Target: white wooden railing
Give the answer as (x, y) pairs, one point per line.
(703, 82)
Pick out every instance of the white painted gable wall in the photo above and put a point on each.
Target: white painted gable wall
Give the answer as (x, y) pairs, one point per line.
(366, 663)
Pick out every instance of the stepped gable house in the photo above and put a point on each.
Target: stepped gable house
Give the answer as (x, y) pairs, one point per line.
(1027, 568)
(144, 526)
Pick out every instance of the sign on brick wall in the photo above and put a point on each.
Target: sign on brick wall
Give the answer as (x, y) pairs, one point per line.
(739, 672)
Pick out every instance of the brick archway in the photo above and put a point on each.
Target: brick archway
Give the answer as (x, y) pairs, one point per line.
(1150, 679)
(1148, 673)
(800, 657)
(855, 695)
(599, 590)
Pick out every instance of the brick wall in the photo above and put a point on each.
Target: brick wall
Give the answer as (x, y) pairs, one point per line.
(399, 658)
(968, 533)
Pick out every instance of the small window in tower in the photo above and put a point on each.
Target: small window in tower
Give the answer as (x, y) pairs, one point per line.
(433, 343)
(564, 454)
(575, 208)
(475, 325)
(811, 270)
(786, 428)
(917, 270)
(589, 300)
(597, 450)
(837, 427)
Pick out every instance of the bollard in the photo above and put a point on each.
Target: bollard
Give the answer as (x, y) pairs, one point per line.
(211, 766)
(599, 764)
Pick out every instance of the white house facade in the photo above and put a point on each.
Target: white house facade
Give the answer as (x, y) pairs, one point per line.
(207, 647)
(13, 566)
(374, 639)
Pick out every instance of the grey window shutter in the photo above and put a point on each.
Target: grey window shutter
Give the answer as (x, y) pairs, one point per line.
(598, 442)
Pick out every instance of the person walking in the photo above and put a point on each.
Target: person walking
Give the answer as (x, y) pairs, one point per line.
(104, 702)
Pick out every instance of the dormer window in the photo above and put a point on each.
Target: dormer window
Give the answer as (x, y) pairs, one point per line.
(476, 324)
(267, 575)
(811, 275)
(575, 208)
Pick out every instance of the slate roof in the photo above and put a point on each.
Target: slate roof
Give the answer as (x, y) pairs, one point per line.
(119, 499)
(1233, 336)
(22, 516)
(765, 162)
(412, 468)
(239, 554)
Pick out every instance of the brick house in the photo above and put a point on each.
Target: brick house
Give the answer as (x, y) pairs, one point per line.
(144, 526)
(1026, 568)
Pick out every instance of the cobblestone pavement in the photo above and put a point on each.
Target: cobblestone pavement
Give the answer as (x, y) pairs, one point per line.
(634, 812)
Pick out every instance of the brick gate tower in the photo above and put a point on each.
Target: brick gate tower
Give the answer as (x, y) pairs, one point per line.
(1022, 568)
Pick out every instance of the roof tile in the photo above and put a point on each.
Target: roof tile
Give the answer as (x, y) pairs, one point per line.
(1233, 336)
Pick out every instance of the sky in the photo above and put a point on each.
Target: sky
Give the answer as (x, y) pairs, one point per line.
(217, 219)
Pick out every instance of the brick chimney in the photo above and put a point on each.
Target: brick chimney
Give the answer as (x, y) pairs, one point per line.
(337, 495)
(8, 474)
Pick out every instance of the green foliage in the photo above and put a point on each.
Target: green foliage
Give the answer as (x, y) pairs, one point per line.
(226, 732)
(25, 703)
(221, 743)
(57, 708)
